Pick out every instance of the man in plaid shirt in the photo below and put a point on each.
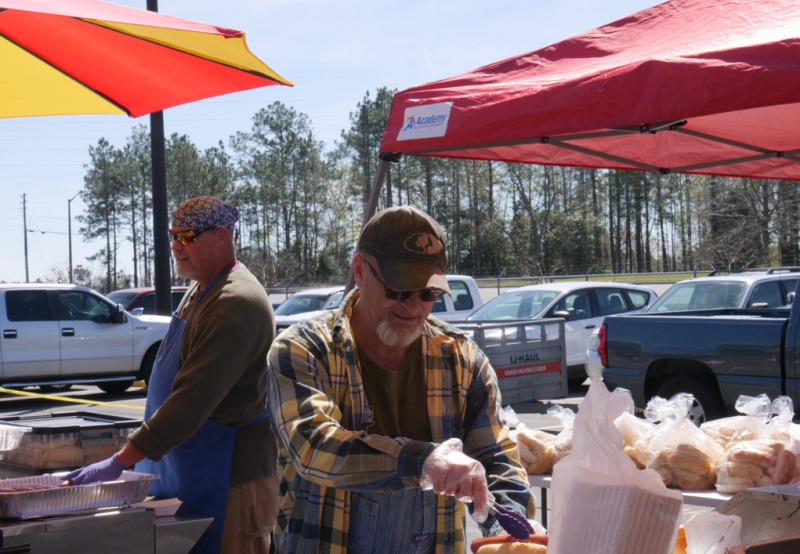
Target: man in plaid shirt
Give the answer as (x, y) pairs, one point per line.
(362, 399)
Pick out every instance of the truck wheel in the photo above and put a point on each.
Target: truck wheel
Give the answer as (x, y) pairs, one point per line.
(55, 388)
(147, 364)
(706, 405)
(115, 387)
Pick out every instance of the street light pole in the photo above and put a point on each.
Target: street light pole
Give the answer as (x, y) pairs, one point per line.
(69, 230)
(25, 231)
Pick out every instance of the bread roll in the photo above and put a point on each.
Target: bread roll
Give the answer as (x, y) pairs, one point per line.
(760, 463)
(535, 450)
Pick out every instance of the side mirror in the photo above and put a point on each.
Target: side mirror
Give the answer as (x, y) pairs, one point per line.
(119, 314)
(137, 311)
(563, 315)
(790, 298)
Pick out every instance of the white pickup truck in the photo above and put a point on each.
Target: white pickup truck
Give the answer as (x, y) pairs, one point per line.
(465, 300)
(55, 336)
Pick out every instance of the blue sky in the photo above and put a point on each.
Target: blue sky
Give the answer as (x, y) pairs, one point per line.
(336, 51)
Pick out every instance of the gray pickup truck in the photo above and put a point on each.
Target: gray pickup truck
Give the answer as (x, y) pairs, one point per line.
(716, 355)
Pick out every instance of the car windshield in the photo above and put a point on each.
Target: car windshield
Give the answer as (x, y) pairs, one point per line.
(335, 301)
(703, 295)
(522, 304)
(123, 298)
(301, 303)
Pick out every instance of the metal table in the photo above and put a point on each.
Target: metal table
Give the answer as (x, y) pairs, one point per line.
(122, 531)
(708, 498)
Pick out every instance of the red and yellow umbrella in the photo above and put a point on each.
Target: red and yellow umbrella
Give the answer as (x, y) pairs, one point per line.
(64, 57)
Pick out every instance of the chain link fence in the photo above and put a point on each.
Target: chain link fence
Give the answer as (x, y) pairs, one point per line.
(491, 287)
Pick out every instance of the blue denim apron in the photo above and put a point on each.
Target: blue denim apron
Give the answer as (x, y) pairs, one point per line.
(198, 470)
(392, 522)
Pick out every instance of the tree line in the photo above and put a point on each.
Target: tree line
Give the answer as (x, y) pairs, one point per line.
(302, 206)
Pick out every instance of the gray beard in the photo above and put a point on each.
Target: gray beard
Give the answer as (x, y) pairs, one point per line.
(189, 274)
(393, 339)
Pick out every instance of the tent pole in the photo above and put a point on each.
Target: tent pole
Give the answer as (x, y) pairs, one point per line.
(372, 205)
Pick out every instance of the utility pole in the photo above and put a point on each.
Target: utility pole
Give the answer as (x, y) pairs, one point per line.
(161, 247)
(25, 231)
(69, 232)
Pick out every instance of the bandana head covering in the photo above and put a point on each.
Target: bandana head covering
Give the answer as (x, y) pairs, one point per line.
(203, 212)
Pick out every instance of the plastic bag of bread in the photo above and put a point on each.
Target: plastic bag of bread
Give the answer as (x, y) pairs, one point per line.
(535, 449)
(563, 444)
(759, 463)
(631, 427)
(658, 409)
(601, 502)
(750, 426)
(780, 427)
(684, 456)
(712, 533)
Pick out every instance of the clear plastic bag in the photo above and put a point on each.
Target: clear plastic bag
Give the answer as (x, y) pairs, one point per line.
(632, 428)
(712, 533)
(511, 417)
(601, 502)
(758, 463)
(563, 444)
(535, 449)
(684, 456)
(780, 427)
(658, 409)
(750, 426)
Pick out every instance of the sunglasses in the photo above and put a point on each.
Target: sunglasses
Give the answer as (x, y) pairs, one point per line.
(426, 295)
(191, 235)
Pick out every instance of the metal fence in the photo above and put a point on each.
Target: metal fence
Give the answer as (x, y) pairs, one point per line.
(492, 287)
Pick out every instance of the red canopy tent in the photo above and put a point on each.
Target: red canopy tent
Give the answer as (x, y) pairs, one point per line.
(688, 86)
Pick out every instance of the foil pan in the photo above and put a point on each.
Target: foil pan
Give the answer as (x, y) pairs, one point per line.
(131, 488)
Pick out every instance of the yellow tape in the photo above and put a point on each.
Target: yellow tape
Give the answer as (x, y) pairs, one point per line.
(62, 399)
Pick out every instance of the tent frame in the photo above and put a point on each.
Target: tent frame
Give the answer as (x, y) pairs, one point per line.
(565, 141)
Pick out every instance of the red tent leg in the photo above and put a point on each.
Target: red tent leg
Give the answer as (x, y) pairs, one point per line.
(372, 205)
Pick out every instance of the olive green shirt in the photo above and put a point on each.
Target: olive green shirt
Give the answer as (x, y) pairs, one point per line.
(397, 398)
(222, 375)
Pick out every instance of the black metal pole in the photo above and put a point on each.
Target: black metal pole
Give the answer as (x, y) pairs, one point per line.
(161, 246)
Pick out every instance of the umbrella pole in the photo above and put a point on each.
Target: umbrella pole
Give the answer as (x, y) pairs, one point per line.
(161, 244)
(161, 273)
(372, 205)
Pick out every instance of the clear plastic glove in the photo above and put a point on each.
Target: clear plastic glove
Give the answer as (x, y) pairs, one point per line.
(106, 470)
(450, 472)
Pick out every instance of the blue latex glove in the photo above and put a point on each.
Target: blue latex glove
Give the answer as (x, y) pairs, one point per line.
(106, 470)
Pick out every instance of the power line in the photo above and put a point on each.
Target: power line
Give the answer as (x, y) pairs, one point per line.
(46, 232)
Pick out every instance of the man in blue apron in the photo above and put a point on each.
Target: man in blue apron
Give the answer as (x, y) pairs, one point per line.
(206, 431)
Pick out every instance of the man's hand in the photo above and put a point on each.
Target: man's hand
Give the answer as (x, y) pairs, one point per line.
(451, 472)
(107, 470)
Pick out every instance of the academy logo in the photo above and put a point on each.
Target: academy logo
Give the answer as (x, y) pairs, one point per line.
(425, 121)
(423, 243)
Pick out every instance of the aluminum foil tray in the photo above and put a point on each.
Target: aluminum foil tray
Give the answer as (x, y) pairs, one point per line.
(131, 488)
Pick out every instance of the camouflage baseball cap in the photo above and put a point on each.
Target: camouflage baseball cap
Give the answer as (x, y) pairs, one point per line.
(410, 248)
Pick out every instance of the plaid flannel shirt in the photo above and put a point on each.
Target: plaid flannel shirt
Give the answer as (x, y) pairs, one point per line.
(319, 411)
